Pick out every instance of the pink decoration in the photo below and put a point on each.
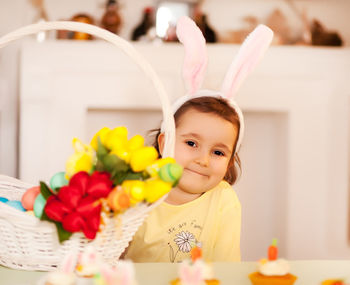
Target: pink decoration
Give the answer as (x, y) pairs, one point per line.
(248, 57)
(195, 61)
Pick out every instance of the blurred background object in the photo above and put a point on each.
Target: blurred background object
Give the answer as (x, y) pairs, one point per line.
(322, 37)
(82, 18)
(167, 14)
(143, 30)
(201, 20)
(111, 19)
(41, 15)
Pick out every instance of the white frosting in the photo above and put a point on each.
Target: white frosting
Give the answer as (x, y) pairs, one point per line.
(208, 272)
(277, 267)
(195, 273)
(60, 278)
(122, 274)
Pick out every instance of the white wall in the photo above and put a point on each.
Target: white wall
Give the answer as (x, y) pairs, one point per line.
(224, 15)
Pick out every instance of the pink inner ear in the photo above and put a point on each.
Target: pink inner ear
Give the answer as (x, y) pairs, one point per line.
(69, 262)
(248, 57)
(195, 60)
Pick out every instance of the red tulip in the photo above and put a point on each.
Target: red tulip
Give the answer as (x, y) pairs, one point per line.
(55, 209)
(80, 180)
(99, 185)
(88, 207)
(70, 196)
(76, 205)
(73, 222)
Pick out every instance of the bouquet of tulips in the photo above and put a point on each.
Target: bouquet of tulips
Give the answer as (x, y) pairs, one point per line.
(110, 175)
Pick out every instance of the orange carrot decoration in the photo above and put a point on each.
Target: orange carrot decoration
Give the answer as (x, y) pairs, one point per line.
(272, 253)
(196, 253)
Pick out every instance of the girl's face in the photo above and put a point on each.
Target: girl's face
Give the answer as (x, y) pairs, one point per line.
(203, 146)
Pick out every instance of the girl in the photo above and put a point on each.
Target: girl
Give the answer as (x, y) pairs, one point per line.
(202, 208)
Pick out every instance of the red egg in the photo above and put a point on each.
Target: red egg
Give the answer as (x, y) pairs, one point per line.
(29, 197)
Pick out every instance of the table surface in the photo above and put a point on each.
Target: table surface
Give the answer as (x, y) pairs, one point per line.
(309, 272)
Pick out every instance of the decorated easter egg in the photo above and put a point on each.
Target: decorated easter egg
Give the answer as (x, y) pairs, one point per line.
(39, 205)
(153, 169)
(29, 197)
(58, 180)
(15, 204)
(170, 172)
(3, 199)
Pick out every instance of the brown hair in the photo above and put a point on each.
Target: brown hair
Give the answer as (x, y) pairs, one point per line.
(221, 108)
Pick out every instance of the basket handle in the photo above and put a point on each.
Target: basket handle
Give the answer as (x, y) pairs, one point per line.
(126, 47)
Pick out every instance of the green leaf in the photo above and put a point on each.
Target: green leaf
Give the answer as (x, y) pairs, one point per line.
(99, 166)
(45, 190)
(135, 176)
(102, 151)
(113, 163)
(62, 233)
(118, 178)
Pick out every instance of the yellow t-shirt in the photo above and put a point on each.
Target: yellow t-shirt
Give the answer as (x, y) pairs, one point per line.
(170, 231)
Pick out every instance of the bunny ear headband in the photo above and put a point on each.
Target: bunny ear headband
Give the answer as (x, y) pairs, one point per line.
(195, 63)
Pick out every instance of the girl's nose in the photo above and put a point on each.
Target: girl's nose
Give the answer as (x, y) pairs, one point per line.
(203, 158)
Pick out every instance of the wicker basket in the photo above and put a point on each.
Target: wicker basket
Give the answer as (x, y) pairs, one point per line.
(30, 244)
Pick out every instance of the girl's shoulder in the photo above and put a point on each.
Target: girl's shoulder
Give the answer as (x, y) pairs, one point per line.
(227, 195)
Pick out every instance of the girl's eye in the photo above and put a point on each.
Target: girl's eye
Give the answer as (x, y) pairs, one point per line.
(219, 153)
(191, 143)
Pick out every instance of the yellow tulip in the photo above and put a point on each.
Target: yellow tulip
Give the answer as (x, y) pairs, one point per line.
(122, 153)
(82, 160)
(155, 189)
(102, 134)
(117, 138)
(135, 142)
(143, 157)
(135, 189)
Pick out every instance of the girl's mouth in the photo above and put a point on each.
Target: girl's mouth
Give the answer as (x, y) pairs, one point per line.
(196, 172)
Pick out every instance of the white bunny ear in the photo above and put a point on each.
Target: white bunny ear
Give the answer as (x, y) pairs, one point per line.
(248, 57)
(195, 61)
(69, 262)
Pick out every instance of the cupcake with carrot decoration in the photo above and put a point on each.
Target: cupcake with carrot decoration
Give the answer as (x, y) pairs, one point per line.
(195, 271)
(274, 270)
(334, 282)
(64, 275)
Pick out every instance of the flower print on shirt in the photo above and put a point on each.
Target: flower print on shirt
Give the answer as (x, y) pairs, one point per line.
(182, 237)
(185, 241)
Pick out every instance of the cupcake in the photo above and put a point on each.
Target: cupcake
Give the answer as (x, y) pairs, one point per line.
(122, 273)
(272, 271)
(64, 275)
(333, 282)
(89, 264)
(60, 278)
(195, 271)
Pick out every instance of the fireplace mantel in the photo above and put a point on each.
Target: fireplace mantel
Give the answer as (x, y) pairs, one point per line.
(304, 91)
